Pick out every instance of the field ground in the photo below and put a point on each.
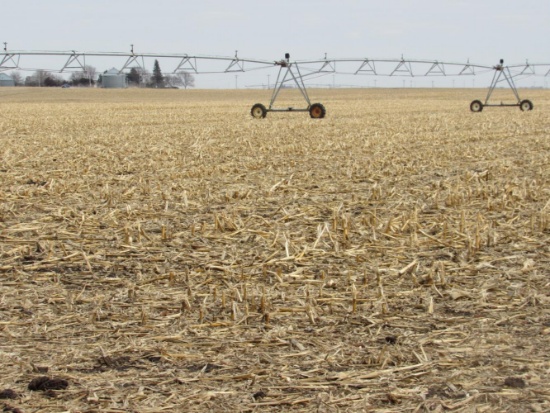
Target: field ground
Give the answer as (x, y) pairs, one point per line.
(162, 250)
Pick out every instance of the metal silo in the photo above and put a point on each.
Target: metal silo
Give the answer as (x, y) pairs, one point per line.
(6, 80)
(112, 79)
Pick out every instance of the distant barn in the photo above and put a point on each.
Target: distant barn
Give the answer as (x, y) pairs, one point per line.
(112, 79)
(6, 80)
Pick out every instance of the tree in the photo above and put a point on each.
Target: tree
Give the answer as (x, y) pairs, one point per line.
(157, 80)
(90, 71)
(172, 81)
(53, 80)
(38, 78)
(188, 80)
(17, 78)
(29, 81)
(84, 78)
(183, 79)
(135, 76)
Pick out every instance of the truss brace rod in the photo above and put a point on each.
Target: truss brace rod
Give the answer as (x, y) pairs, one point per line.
(75, 58)
(9, 58)
(499, 72)
(132, 59)
(277, 86)
(301, 85)
(299, 81)
(371, 67)
(184, 61)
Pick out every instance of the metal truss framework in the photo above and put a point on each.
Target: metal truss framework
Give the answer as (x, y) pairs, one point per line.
(9, 61)
(503, 73)
(290, 72)
(295, 71)
(76, 61)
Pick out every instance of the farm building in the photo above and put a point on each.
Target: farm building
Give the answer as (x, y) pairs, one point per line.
(6, 80)
(113, 79)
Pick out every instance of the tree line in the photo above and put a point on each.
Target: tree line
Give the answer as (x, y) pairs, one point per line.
(139, 77)
(88, 77)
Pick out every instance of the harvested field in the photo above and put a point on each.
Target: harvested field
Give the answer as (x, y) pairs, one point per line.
(164, 251)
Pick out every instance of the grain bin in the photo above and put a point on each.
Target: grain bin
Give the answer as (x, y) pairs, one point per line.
(6, 80)
(113, 79)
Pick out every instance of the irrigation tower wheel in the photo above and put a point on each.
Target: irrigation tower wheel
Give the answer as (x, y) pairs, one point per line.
(258, 111)
(317, 111)
(526, 105)
(476, 106)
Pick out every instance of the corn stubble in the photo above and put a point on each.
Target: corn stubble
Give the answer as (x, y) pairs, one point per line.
(163, 249)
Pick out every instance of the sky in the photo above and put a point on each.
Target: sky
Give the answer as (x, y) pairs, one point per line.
(481, 31)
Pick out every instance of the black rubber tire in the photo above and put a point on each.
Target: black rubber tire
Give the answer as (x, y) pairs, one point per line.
(317, 111)
(476, 106)
(258, 111)
(526, 105)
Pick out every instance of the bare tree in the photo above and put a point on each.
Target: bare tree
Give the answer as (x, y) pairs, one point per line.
(187, 79)
(17, 78)
(37, 78)
(180, 79)
(41, 76)
(90, 71)
(84, 78)
(173, 81)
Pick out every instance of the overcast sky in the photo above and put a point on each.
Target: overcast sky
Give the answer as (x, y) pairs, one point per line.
(447, 30)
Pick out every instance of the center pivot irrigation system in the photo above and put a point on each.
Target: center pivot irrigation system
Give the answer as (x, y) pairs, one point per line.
(291, 73)
(502, 71)
(316, 110)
